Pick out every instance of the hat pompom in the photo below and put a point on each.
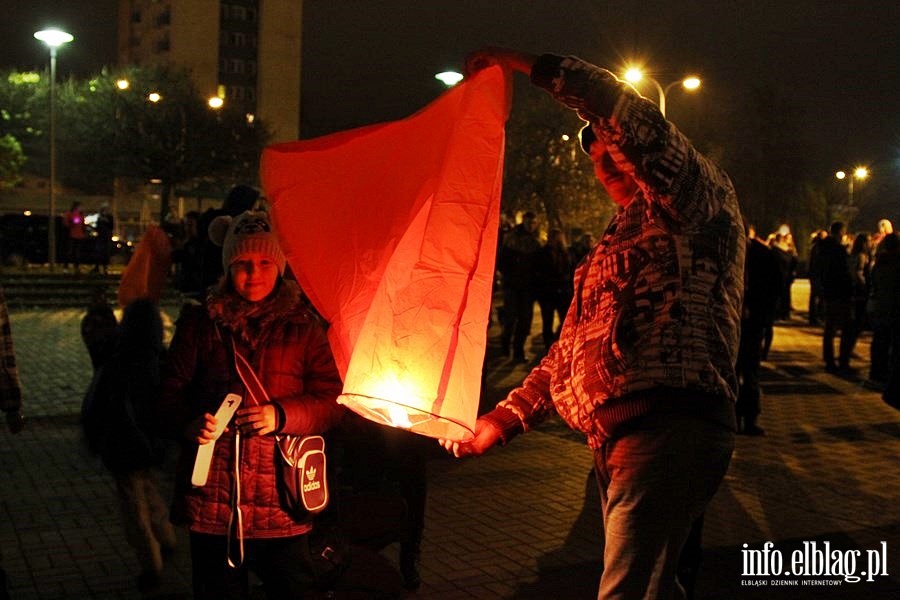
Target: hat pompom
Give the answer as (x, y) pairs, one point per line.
(218, 228)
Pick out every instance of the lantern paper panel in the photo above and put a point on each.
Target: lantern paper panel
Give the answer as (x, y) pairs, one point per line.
(391, 231)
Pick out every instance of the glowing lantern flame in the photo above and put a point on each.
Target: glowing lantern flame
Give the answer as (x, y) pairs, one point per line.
(391, 231)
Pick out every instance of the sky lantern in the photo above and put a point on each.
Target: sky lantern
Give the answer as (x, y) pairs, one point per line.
(391, 230)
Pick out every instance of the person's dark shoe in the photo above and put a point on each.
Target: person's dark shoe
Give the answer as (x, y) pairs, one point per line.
(847, 371)
(149, 582)
(754, 430)
(409, 568)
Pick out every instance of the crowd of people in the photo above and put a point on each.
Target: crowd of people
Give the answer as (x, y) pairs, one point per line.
(88, 238)
(854, 283)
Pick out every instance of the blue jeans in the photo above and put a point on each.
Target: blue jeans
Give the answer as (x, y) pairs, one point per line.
(655, 480)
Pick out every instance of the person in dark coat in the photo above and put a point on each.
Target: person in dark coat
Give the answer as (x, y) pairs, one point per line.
(787, 271)
(884, 306)
(516, 264)
(762, 278)
(123, 404)
(104, 227)
(236, 520)
(814, 272)
(837, 293)
(553, 284)
(98, 328)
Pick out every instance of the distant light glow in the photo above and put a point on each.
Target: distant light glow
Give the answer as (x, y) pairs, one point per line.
(633, 75)
(840, 174)
(449, 78)
(114, 238)
(250, 118)
(27, 213)
(154, 97)
(25, 77)
(215, 102)
(123, 84)
(861, 172)
(565, 137)
(691, 83)
(54, 38)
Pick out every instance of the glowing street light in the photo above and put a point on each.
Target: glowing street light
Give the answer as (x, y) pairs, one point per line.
(53, 38)
(154, 97)
(123, 84)
(215, 103)
(449, 78)
(691, 83)
(858, 173)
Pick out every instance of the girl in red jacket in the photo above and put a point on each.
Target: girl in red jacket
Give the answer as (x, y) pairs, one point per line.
(236, 520)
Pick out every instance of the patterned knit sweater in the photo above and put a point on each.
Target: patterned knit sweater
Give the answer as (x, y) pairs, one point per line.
(655, 318)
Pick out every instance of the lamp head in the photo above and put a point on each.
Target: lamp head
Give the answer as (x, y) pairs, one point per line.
(54, 38)
(449, 78)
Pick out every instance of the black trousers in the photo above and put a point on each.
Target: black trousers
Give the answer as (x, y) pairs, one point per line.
(747, 370)
(282, 564)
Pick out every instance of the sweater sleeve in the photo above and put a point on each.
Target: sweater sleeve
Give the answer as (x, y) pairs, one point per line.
(670, 172)
(530, 403)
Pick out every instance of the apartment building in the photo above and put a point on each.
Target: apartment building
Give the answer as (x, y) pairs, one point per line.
(246, 52)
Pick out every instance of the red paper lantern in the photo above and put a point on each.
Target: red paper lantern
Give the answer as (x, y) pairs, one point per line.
(391, 230)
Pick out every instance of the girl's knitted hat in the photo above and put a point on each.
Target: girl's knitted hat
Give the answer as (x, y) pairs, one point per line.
(250, 231)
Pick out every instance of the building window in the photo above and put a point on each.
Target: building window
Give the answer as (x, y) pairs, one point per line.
(238, 39)
(164, 18)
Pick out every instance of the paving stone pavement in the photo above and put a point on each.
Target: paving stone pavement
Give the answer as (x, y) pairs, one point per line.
(520, 522)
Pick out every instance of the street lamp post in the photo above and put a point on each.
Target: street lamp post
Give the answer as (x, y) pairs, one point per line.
(53, 38)
(635, 75)
(858, 173)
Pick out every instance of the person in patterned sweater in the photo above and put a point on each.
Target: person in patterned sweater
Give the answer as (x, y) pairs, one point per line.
(644, 365)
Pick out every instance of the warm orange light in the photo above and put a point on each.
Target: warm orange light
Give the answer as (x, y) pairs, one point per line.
(154, 97)
(861, 172)
(408, 306)
(123, 84)
(691, 83)
(215, 102)
(840, 175)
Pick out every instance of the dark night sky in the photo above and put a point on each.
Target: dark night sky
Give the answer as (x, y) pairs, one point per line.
(372, 60)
